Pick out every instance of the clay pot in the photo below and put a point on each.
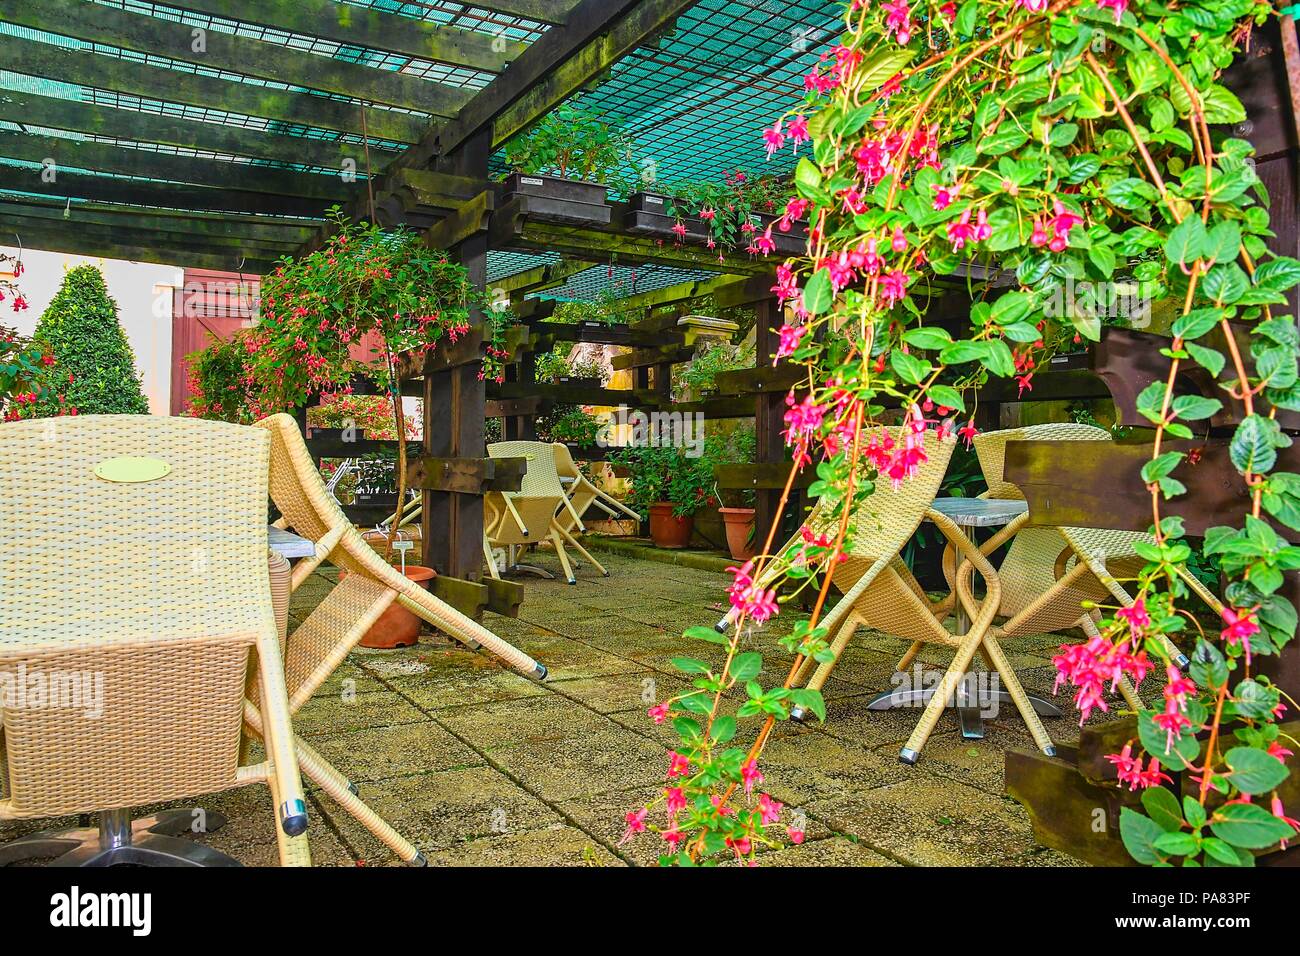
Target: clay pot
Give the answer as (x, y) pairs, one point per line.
(398, 627)
(668, 531)
(740, 531)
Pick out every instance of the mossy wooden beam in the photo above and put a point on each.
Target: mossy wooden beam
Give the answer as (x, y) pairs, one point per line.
(125, 232)
(74, 242)
(468, 597)
(424, 189)
(126, 161)
(466, 476)
(542, 11)
(241, 55)
(55, 113)
(470, 219)
(540, 278)
(47, 61)
(89, 186)
(369, 27)
(288, 233)
(595, 33)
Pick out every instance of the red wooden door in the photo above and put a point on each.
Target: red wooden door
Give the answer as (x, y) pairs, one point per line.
(210, 304)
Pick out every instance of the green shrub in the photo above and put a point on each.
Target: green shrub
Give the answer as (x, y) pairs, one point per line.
(97, 373)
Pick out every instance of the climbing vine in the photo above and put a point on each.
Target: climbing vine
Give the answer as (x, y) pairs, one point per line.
(1043, 152)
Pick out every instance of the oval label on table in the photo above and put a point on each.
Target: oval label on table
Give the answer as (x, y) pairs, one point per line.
(131, 469)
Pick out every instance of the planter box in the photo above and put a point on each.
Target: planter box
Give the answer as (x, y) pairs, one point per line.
(648, 213)
(569, 200)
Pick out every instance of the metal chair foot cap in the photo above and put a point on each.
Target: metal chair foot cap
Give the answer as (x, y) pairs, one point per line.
(1182, 662)
(293, 818)
(352, 789)
(908, 756)
(606, 574)
(720, 627)
(1050, 751)
(418, 860)
(540, 672)
(797, 714)
(573, 580)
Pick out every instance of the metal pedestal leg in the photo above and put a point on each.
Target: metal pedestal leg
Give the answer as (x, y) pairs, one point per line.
(149, 841)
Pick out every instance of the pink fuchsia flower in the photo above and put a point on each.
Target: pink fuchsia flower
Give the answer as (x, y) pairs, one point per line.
(798, 130)
(1062, 222)
(769, 810)
(635, 824)
(790, 336)
(1119, 6)
(1088, 667)
(1136, 616)
(679, 765)
(1153, 775)
(899, 241)
(1275, 749)
(1039, 236)
(893, 286)
(786, 287)
(658, 713)
(948, 11)
(750, 776)
(674, 837)
(679, 229)
(796, 836)
(1239, 628)
(758, 604)
(775, 138)
(1280, 813)
(898, 17)
(1034, 6)
(674, 800)
(968, 432)
(763, 244)
(944, 195)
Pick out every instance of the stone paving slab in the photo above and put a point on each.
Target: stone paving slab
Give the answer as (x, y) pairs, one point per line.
(480, 766)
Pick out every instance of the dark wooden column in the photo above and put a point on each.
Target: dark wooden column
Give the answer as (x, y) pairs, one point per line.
(454, 398)
(769, 416)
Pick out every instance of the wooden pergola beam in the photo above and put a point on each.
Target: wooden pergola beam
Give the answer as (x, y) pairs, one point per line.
(369, 27)
(73, 242)
(126, 161)
(161, 230)
(542, 11)
(47, 61)
(235, 54)
(188, 223)
(55, 113)
(595, 34)
(95, 188)
(540, 277)
(130, 235)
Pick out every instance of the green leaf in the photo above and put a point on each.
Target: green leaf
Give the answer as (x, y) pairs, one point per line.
(1175, 844)
(1131, 193)
(1194, 812)
(928, 337)
(1139, 834)
(909, 368)
(746, 665)
(1209, 359)
(1248, 826)
(1011, 307)
(1162, 806)
(724, 728)
(963, 350)
(1255, 771)
(1225, 284)
(689, 665)
(1004, 140)
(1161, 466)
(1187, 242)
(700, 633)
(1219, 851)
(1195, 407)
(997, 359)
(818, 293)
(809, 700)
(1278, 274)
(947, 397)
(1251, 448)
(966, 15)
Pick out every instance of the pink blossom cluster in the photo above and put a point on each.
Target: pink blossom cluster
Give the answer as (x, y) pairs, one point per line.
(748, 596)
(1089, 666)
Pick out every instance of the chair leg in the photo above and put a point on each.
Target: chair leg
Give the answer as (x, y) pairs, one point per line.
(293, 850)
(584, 552)
(944, 692)
(491, 561)
(337, 786)
(993, 651)
(909, 655)
(563, 556)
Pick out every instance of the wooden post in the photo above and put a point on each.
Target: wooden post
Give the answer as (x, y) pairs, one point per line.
(451, 523)
(769, 416)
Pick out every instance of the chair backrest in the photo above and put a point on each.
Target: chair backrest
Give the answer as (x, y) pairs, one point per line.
(565, 466)
(888, 517)
(139, 590)
(991, 449)
(541, 478)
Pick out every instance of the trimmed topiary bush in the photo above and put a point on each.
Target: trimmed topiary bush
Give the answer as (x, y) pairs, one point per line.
(97, 373)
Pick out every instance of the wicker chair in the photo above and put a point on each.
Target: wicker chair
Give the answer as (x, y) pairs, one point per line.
(1049, 572)
(539, 509)
(322, 641)
(880, 592)
(134, 548)
(582, 494)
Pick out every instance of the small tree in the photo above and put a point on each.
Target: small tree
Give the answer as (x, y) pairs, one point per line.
(96, 364)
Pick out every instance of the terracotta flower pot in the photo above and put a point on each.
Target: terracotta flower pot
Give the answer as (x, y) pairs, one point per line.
(668, 531)
(740, 531)
(397, 627)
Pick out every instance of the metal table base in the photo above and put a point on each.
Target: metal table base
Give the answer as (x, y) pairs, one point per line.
(119, 840)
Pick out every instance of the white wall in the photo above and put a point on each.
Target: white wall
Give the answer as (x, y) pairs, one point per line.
(143, 292)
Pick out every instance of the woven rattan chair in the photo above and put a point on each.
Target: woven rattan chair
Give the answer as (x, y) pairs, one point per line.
(322, 641)
(880, 592)
(1048, 572)
(582, 493)
(539, 510)
(134, 548)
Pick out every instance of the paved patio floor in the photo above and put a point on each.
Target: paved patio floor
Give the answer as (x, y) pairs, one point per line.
(478, 766)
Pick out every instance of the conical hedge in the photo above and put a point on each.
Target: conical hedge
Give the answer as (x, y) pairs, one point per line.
(80, 328)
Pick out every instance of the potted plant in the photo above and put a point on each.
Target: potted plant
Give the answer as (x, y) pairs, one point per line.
(576, 428)
(28, 377)
(567, 163)
(669, 487)
(740, 213)
(737, 504)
